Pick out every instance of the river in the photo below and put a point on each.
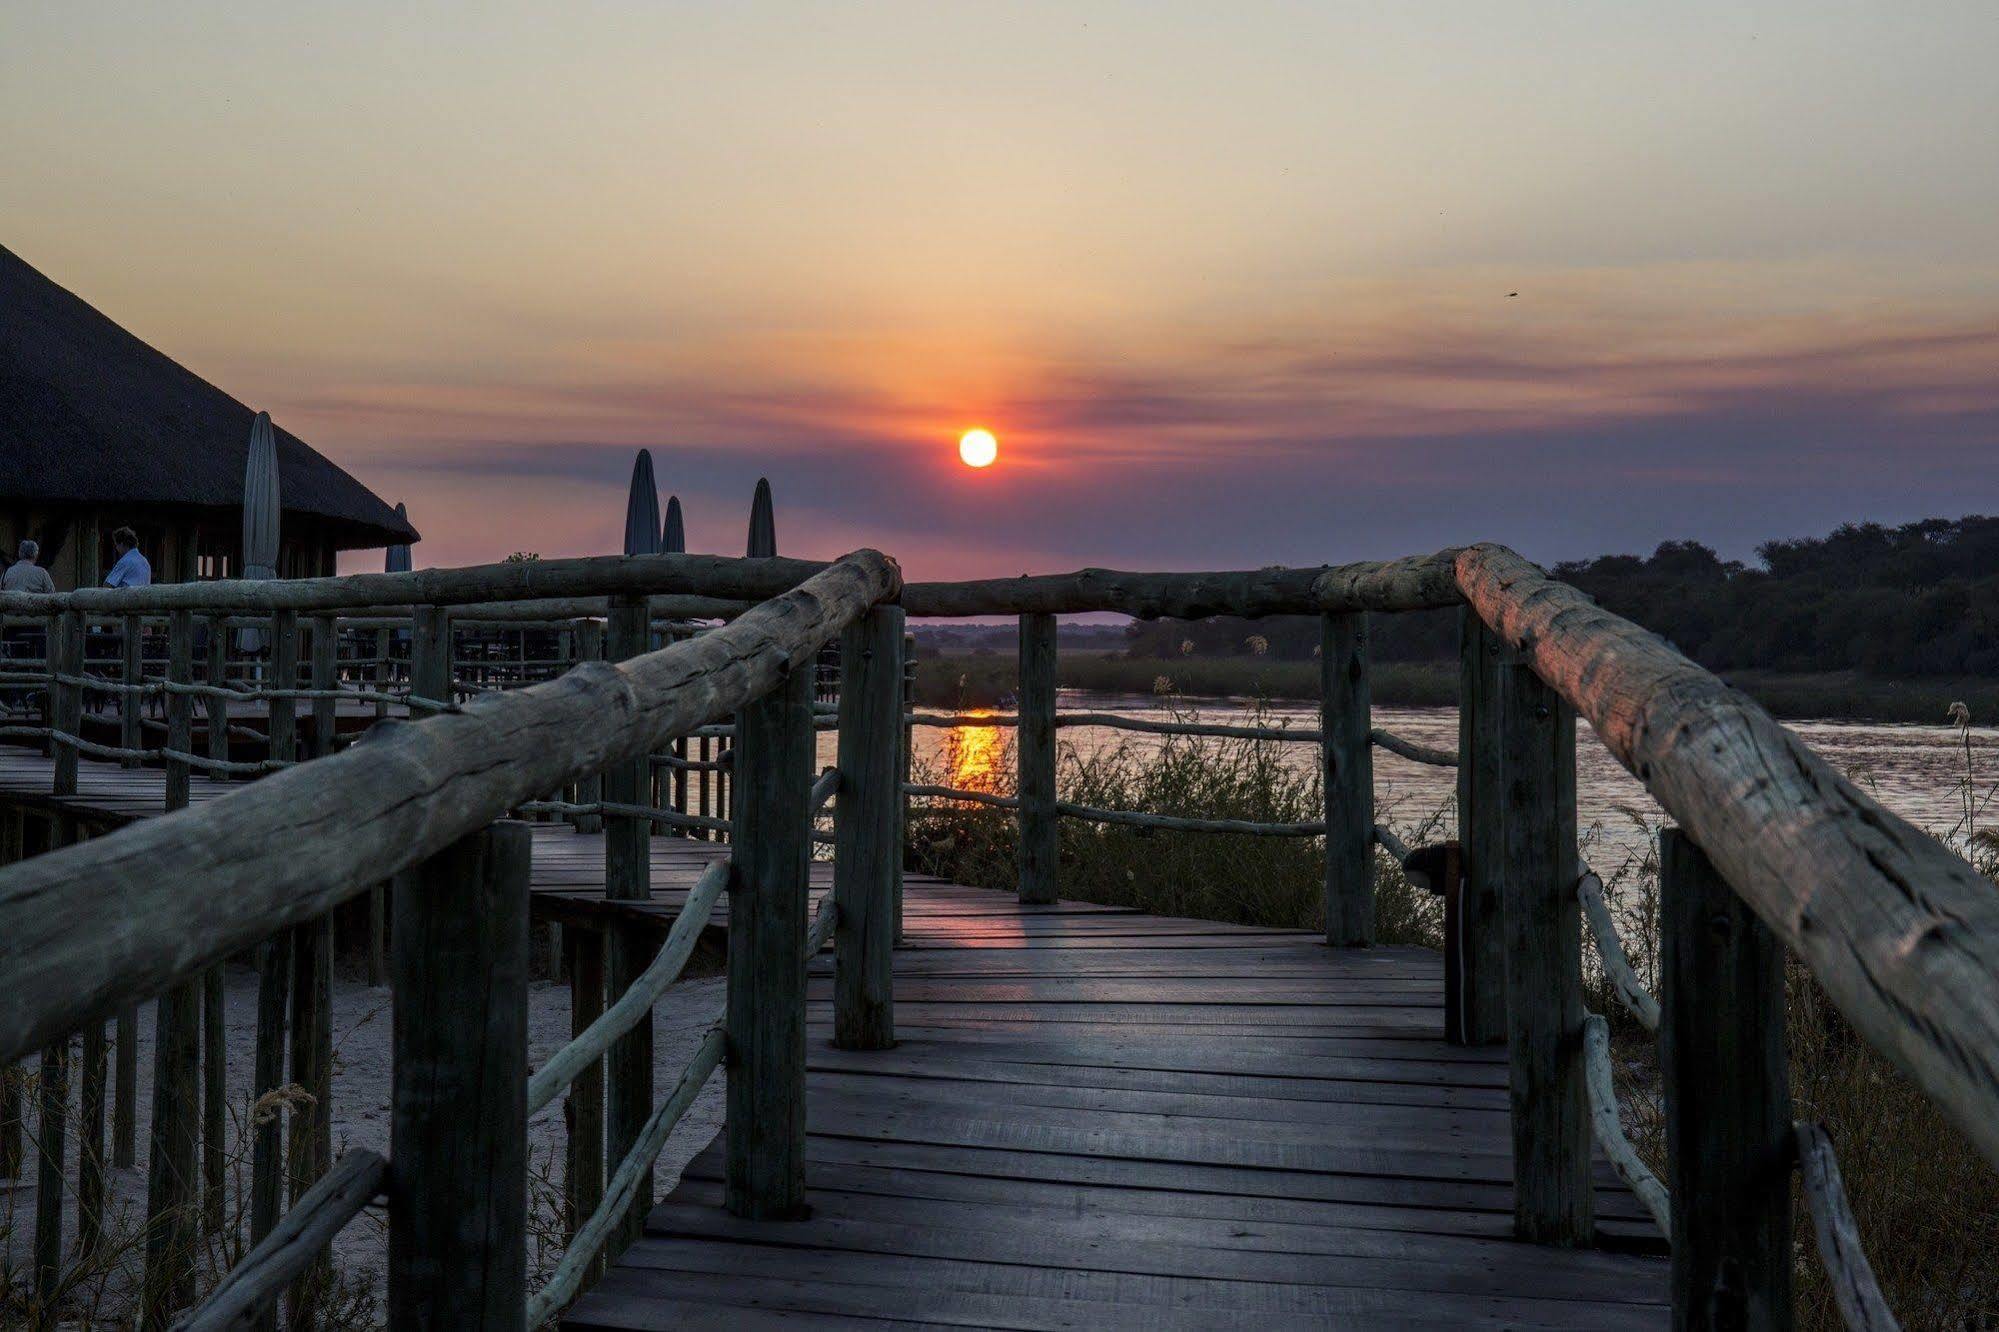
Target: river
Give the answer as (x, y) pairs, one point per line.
(1916, 771)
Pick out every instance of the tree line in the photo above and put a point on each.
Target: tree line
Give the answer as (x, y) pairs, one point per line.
(1919, 599)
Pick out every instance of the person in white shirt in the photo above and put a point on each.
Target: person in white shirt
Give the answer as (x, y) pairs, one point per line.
(131, 570)
(24, 575)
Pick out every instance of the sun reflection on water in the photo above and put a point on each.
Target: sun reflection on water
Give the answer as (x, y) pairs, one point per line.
(974, 757)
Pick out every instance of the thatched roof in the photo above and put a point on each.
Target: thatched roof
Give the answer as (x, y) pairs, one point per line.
(91, 415)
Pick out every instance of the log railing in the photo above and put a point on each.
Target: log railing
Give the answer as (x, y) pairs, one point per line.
(1773, 851)
(417, 801)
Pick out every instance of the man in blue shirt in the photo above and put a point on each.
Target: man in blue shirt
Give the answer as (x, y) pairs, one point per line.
(131, 570)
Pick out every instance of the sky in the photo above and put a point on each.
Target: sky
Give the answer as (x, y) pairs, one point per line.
(1234, 285)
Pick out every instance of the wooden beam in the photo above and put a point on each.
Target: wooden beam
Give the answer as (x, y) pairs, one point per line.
(867, 831)
(1549, 1089)
(458, 1127)
(583, 1109)
(1729, 1141)
(1346, 758)
(764, 1130)
(1034, 751)
(172, 1206)
(708, 576)
(1474, 936)
(1411, 584)
(628, 878)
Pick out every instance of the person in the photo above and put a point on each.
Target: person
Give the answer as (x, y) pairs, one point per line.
(131, 570)
(24, 575)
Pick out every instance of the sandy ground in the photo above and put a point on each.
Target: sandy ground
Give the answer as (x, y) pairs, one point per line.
(361, 1029)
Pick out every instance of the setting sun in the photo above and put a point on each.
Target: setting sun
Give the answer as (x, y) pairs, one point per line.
(978, 448)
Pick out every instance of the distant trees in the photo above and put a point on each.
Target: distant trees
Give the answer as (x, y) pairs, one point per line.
(1918, 599)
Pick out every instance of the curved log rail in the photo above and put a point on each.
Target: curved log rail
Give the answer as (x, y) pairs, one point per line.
(1900, 931)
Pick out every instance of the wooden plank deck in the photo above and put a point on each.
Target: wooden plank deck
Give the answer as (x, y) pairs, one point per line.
(1100, 1118)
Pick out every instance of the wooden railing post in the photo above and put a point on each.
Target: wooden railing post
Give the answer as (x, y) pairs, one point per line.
(1035, 750)
(283, 712)
(458, 1121)
(385, 670)
(309, 1149)
(628, 878)
(13, 1107)
(765, 1126)
(1474, 937)
(132, 670)
(171, 1170)
(325, 677)
(218, 675)
(908, 768)
(1347, 758)
(171, 1178)
(1552, 1202)
(867, 830)
(65, 652)
(430, 657)
(583, 1110)
(54, 1105)
(180, 707)
(590, 790)
(36, 837)
(1728, 1102)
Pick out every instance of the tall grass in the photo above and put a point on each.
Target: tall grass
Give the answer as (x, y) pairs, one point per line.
(1927, 1202)
(1274, 881)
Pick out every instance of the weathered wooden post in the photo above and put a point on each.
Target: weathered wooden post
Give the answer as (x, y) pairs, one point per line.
(458, 1127)
(908, 768)
(1728, 1099)
(309, 1138)
(1474, 934)
(590, 790)
(180, 707)
(66, 695)
(217, 677)
(267, 1074)
(325, 679)
(171, 1171)
(316, 937)
(283, 712)
(90, 1140)
(385, 671)
(867, 830)
(132, 672)
(12, 1107)
(768, 889)
(1035, 752)
(54, 1098)
(628, 878)
(1552, 1202)
(1347, 779)
(583, 1111)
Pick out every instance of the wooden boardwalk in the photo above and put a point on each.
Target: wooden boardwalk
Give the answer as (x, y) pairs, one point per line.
(1100, 1118)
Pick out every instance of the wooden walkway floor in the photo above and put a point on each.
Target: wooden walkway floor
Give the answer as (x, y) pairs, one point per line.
(1098, 1118)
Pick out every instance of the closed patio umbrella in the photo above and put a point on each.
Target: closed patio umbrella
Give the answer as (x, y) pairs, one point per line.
(763, 523)
(642, 509)
(673, 540)
(261, 514)
(397, 560)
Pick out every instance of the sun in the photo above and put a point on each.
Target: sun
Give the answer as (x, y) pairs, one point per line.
(978, 448)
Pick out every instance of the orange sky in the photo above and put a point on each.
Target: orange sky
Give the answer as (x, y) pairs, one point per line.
(1232, 285)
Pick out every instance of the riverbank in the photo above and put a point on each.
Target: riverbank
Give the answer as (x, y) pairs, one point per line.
(985, 680)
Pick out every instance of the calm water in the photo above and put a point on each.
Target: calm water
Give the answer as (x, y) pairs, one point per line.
(1917, 771)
